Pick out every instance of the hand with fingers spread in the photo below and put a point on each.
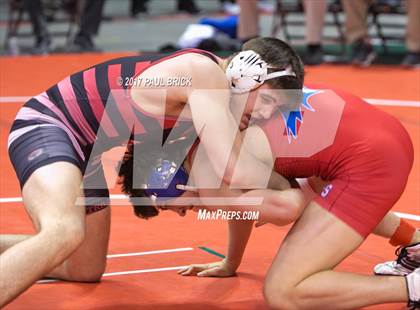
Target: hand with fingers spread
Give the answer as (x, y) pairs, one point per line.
(218, 269)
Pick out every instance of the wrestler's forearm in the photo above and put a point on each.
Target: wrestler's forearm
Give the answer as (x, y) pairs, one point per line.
(239, 232)
(276, 207)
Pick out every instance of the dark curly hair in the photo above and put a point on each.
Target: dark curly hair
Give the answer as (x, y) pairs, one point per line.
(126, 181)
(279, 55)
(176, 150)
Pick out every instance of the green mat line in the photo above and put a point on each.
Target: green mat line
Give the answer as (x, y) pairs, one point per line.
(211, 251)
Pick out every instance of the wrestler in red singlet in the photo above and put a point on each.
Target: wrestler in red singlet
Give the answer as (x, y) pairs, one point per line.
(364, 153)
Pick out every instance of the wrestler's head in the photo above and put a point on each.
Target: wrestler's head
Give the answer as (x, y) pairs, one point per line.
(267, 75)
(150, 177)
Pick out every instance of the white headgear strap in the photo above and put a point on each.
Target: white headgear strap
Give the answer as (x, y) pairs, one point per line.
(248, 71)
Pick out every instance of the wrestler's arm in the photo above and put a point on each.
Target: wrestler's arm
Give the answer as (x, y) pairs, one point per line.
(278, 207)
(218, 131)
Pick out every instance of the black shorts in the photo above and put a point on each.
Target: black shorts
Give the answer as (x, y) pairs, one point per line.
(44, 144)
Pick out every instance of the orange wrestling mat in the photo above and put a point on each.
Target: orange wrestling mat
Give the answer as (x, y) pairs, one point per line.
(145, 277)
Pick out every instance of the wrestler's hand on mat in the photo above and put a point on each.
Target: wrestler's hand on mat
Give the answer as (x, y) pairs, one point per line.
(218, 269)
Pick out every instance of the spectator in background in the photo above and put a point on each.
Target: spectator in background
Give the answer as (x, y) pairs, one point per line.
(89, 24)
(229, 7)
(90, 21)
(357, 32)
(248, 19)
(39, 26)
(232, 8)
(315, 11)
(140, 6)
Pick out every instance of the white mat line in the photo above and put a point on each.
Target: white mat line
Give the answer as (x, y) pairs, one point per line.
(13, 199)
(397, 103)
(123, 200)
(394, 103)
(149, 252)
(19, 199)
(14, 99)
(120, 273)
(385, 102)
(408, 216)
(111, 274)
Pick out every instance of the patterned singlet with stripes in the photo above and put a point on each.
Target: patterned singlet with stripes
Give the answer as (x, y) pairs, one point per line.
(96, 103)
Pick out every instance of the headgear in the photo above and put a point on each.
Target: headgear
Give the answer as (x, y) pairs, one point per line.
(248, 71)
(163, 179)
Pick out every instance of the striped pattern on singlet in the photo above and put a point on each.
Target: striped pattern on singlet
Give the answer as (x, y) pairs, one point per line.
(83, 103)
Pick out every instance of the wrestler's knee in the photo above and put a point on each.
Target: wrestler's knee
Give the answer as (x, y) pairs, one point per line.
(278, 295)
(91, 274)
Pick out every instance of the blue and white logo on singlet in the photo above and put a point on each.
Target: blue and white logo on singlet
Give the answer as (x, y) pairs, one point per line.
(291, 118)
(326, 190)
